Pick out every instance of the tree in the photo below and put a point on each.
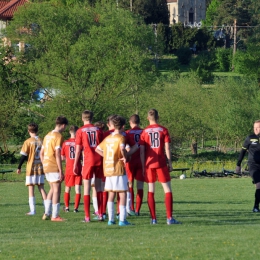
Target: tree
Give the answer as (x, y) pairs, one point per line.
(84, 57)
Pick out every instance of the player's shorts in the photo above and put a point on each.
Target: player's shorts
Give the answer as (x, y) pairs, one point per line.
(72, 180)
(160, 174)
(134, 171)
(52, 177)
(89, 171)
(34, 180)
(254, 171)
(116, 183)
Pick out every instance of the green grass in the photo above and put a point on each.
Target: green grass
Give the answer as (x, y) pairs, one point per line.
(216, 215)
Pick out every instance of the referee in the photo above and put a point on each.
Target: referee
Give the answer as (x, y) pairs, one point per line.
(252, 145)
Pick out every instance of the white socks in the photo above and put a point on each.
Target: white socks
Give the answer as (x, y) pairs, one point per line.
(111, 211)
(128, 201)
(122, 215)
(95, 204)
(47, 207)
(55, 210)
(32, 205)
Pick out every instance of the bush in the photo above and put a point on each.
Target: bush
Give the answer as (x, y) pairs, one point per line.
(224, 59)
(184, 55)
(7, 157)
(203, 66)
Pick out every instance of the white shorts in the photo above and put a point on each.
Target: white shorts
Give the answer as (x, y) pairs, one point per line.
(52, 177)
(34, 180)
(116, 183)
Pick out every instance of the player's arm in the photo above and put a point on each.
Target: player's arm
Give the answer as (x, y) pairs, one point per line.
(58, 161)
(168, 155)
(124, 153)
(242, 153)
(240, 159)
(133, 149)
(22, 160)
(77, 158)
(99, 151)
(142, 157)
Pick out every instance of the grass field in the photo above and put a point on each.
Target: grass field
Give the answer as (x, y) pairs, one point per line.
(216, 216)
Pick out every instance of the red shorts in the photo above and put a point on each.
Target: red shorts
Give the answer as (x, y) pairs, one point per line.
(160, 174)
(89, 171)
(134, 171)
(72, 180)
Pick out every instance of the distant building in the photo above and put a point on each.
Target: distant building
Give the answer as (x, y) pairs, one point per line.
(187, 11)
(7, 9)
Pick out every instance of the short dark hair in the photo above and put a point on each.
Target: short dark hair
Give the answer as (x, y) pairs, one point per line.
(62, 120)
(73, 129)
(109, 118)
(100, 124)
(153, 114)
(118, 122)
(33, 128)
(87, 115)
(135, 119)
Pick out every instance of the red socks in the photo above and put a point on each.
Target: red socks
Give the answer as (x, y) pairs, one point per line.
(151, 204)
(67, 199)
(104, 202)
(87, 205)
(100, 204)
(139, 200)
(168, 204)
(77, 200)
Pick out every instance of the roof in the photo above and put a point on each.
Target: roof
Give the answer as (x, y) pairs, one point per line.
(172, 1)
(7, 8)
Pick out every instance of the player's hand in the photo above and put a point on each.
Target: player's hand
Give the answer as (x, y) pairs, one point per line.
(238, 169)
(75, 170)
(170, 168)
(61, 177)
(18, 171)
(123, 159)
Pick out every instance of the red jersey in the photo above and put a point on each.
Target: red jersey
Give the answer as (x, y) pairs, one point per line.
(89, 137)
(133, 137)
(68, 150)
(154, 138)
(107, 133)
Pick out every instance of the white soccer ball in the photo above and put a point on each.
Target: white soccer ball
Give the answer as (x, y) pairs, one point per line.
(183, 176)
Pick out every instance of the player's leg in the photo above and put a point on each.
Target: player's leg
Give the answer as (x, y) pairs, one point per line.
(255, 174)
(78, 185)
(151, 179)
(94, 196)
(140, 189)
(67, 198)
(87, 186)
(110, 208)
(165, 179)
(130, 192)
(31, 201)
(48, 202)
(105, 198)
(139, 197)
(98, 186)
(42, 191)
(56, 201)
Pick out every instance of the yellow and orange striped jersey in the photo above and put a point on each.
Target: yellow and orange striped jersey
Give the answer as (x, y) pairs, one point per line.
(52, 141)
(111, 147)
(31, 148)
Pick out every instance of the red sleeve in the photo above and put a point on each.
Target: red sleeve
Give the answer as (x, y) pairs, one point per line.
(78, 139)
(167, 138)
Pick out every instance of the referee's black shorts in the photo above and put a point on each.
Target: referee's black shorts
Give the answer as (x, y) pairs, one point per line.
(254, 170)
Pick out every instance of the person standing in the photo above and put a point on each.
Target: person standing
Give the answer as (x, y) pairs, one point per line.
(252, 146)
(154, 144)
(88, 137)
(134, 166)
(113, 151)
(34, 170)
(71, 179)
(51, 159)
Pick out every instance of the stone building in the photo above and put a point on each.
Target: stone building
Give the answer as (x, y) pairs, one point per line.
(188, 12)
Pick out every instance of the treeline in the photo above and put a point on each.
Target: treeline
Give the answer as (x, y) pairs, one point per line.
(97, 56)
